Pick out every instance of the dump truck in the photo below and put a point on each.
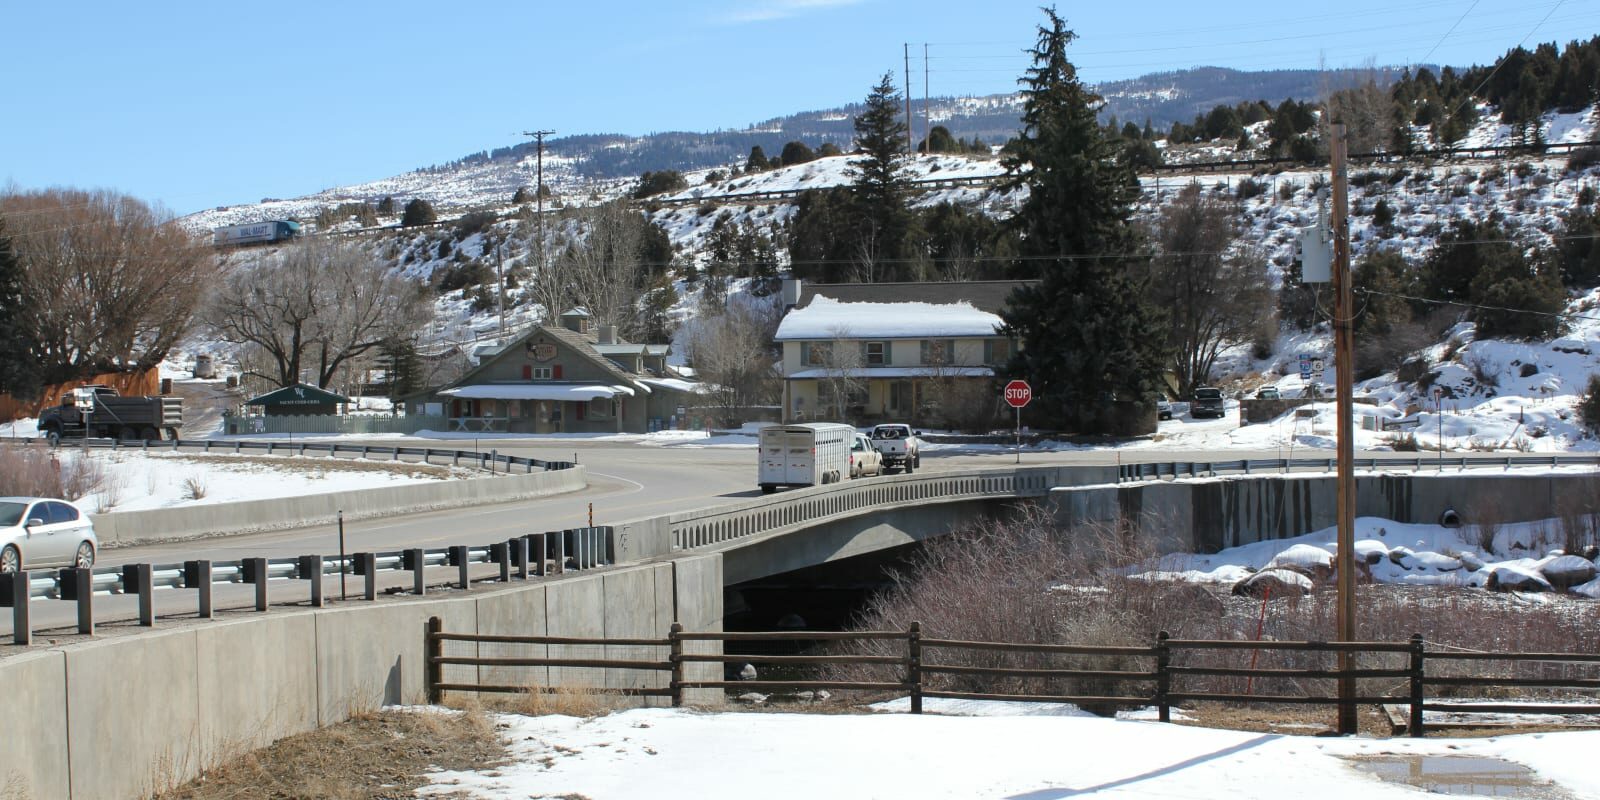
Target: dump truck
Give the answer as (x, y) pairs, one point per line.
(96, 411)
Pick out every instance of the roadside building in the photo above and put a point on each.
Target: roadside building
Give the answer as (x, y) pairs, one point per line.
(299, 400)
(563, 378)
(920, 352)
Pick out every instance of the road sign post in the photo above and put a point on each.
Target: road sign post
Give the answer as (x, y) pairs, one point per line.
(1018, 394)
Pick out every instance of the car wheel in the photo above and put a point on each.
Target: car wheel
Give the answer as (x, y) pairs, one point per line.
(911, 466)
(10, 559)
(53, 436)
(85, 556)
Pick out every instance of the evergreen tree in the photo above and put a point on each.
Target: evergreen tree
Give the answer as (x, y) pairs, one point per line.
(19, 374)
(522, 196)
(757, 162)
(386, 205)
(418, 212)
(797, 153)
(1087, 334)
(404, 367)
(878, 191)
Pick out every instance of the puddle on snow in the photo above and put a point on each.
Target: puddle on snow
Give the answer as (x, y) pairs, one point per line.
(1470, 776)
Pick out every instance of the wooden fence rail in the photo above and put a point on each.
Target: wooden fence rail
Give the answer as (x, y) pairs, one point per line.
(918, 670)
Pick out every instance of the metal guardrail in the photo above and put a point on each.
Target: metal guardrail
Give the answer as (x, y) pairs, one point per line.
(794, 510)
(489, 461)
(522, 557)
(1207, 469)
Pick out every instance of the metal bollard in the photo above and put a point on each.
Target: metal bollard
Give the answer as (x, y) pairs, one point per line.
(519, 556)
(310, 568)
(458, 559)
(136, 580)
(77, 584)
(255, 572)
(412, 560)
(197, 576)
(366, 566)
(14, 593)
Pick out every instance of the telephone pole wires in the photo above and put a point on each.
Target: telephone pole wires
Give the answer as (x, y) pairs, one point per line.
(538, 192)
(911, 146)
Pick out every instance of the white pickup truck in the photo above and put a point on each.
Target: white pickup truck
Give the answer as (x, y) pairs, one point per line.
(899, 445)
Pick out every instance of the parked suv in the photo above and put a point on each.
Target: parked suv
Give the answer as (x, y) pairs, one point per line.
(1207, 402)
(899, 446)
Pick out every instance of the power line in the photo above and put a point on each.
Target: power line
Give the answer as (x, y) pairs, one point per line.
(1447, 33)
(1557, 314)
(1502, 62)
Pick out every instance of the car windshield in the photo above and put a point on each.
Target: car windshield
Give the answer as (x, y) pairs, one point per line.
(11, 513)
(1208, 394)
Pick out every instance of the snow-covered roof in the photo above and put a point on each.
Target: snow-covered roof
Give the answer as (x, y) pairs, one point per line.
(536, 391)
(900, 372)
(826, 318)
(673, 384)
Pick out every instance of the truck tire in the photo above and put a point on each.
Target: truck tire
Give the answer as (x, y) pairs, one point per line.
(150, 434)
(128, 434)
(172, 434)
(767, 488)
(910, 466)
(52, 434)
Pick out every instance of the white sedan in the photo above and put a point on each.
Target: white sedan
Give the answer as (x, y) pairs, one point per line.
(42, 532)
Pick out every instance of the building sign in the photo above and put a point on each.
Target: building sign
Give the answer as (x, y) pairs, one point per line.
(543, 351)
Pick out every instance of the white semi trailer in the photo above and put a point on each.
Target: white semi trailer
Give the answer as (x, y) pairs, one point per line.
(807, 454)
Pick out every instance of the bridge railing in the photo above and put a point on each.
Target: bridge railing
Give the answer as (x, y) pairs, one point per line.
(806, 507)
(520, 558)
(1420, 463)
(489, 461)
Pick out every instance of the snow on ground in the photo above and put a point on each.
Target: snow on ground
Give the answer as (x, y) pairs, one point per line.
(676, 753)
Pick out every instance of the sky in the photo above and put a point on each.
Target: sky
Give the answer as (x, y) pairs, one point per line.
(199, 104)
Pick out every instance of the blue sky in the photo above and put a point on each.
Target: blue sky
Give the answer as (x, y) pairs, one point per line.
(198, 104)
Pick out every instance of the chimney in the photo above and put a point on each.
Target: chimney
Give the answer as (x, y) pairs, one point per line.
(608, 334)
(791, 293)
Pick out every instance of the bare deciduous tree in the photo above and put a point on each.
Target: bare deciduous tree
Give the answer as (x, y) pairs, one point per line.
(602, 263)
(842, 381)
(318, 306)
(731, 353)
(114, 281)
(1216, 293)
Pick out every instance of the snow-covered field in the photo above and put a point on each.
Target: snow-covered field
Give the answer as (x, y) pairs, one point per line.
(673, 753)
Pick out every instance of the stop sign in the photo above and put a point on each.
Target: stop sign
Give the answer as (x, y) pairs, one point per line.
(1018, 393)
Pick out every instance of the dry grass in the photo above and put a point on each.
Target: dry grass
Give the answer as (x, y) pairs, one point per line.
(381, 755)
(538, 701)
(35, 471)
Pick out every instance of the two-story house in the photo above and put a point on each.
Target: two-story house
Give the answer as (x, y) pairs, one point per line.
(564, 379)
(925, 352)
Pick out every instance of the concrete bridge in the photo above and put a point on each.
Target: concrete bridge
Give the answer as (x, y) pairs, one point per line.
(156, 706)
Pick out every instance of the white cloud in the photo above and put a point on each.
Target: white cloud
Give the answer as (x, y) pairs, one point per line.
(766, 10)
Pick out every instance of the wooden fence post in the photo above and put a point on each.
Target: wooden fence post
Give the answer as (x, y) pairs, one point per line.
(914, 665)
(1417, 660)
(1163, 677)
(675, 638)
(433, 648)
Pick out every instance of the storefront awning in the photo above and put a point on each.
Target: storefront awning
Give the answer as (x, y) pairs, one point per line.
(536, 391)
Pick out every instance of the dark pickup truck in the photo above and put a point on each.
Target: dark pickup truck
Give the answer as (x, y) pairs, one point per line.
(1207, 402)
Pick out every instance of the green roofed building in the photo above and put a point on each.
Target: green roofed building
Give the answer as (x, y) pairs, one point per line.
(299, 400)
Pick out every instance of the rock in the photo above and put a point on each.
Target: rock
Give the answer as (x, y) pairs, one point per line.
(752, 698)
(805, 697)
(1401, 556)
(1564, 572)
(747, 672)
(1591, 552)
(1437, 562)
(1470, 561)
(1306, 559)
(823, 694)
(1590, 589)
(1510, 577)
(1276, 582)
(1370, 551)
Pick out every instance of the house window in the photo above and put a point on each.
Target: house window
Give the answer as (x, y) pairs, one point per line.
(537, 373)
(816, 354)
(600, 408)
(875, 354)
(938, 351)
(996, 352)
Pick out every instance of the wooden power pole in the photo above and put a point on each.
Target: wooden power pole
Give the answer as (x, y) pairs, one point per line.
(1344, 369)
(911, 146)
(538, 193)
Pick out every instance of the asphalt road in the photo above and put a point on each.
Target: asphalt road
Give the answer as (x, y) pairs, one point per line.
(627, 481)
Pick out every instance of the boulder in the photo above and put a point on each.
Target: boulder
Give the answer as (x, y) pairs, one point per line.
(1275, 582)
(1370, 551)
(1564, 572)
(1591, 552)
(752, 698)
(1470, 561)
(1309, 560)
(1509, 577)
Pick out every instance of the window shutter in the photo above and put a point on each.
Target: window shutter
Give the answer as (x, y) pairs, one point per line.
(582, 407)
(527, 372)
(555, 372)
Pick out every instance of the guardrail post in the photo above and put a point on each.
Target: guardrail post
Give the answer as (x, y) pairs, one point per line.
(136, 580)
(559, 544)
(458, 559)
(412, 560)
(1163, 677)
(494, 456)
(255, 571)
(1414, 725)
(500, 553)
(914, 665)
(675, 639)
(455, 461)
(366, 566)
(433, 674)
(14, 591)
(518, 548)
(77, 584)
(310, 568)
(539, 553)
(197, 576)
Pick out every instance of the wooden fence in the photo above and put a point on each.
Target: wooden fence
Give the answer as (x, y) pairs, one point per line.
(923, 667)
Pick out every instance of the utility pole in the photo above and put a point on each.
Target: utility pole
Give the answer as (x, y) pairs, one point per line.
(911, 145)
(1344, 368)
(500, 274)
(538, 193)
(927, 119)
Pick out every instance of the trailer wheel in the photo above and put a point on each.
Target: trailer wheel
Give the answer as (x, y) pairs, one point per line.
(172, 434)
(128, 434)
(767, 488)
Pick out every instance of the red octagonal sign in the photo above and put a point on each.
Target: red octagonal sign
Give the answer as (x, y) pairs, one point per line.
(1018, 393)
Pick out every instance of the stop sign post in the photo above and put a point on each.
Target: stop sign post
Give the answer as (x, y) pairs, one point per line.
(1018, 394)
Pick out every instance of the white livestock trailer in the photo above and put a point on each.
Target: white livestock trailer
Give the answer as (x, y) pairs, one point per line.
(806, 454)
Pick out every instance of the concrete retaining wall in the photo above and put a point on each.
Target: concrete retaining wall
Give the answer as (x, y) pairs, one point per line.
(1208, 515)
(250, 516)
(124, 715)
